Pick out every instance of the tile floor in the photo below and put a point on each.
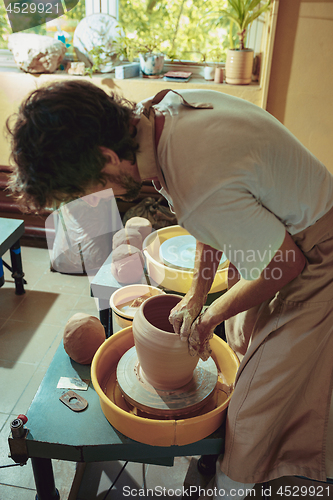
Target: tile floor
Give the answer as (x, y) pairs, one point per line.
(31, 328)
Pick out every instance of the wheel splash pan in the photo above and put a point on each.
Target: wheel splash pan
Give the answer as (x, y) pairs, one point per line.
(145, 428)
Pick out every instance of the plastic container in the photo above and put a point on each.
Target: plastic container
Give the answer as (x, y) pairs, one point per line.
(177, 280)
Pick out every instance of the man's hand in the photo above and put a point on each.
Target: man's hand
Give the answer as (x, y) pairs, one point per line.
(246, 294)
(199, 339)
(183, 315)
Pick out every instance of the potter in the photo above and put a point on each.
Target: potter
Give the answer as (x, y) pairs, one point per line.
(163, 357)
(235, 176)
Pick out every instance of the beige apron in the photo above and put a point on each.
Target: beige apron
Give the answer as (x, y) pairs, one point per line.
(277, 418)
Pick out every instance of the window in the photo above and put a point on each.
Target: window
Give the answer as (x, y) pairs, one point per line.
(105, 6)
(183, 29)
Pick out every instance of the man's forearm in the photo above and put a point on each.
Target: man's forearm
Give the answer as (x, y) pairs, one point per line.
(242, 296)
(246, 294)
(207, 260)
(189, 308)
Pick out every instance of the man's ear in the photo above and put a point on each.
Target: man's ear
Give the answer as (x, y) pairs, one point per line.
(110, 155)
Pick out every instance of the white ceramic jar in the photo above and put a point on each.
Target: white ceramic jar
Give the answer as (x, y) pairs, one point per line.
(163, 357)
(209, 72)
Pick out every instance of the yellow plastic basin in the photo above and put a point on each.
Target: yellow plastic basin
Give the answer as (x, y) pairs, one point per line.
(150, 430)
(178, 280)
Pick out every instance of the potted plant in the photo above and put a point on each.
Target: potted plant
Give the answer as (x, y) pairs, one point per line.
(145, 47)
(240, 60)
(101, 60)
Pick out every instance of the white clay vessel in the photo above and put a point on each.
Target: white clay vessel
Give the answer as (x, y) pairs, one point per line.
(163, 358)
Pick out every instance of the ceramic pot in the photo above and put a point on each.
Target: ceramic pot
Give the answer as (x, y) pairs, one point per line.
(238, 68)
(164, 359)
(120, 303)
(151, 64)
(209, 72)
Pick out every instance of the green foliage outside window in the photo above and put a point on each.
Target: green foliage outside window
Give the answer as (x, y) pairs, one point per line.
(5, 29)
(182, 29)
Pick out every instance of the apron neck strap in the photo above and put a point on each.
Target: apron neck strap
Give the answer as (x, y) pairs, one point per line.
(196, 105)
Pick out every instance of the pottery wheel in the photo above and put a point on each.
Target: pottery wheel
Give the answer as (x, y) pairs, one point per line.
(140, 394)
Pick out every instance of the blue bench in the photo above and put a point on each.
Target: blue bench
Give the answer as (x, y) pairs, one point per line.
(11, 231)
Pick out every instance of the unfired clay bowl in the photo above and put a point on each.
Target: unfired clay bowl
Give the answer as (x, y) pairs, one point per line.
(163, 358)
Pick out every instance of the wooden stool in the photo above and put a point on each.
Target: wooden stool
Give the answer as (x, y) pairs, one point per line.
(11, 231)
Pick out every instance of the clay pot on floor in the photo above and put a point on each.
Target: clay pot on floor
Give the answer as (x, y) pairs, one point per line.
(163, 357)
(238, 68)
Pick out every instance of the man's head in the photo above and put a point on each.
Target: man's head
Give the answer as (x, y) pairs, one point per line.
(59, 139)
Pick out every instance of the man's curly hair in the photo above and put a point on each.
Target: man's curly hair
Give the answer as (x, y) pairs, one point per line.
(56, 140)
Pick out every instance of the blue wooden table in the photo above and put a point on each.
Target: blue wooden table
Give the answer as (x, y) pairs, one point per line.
(55, 431)
(11, 231)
